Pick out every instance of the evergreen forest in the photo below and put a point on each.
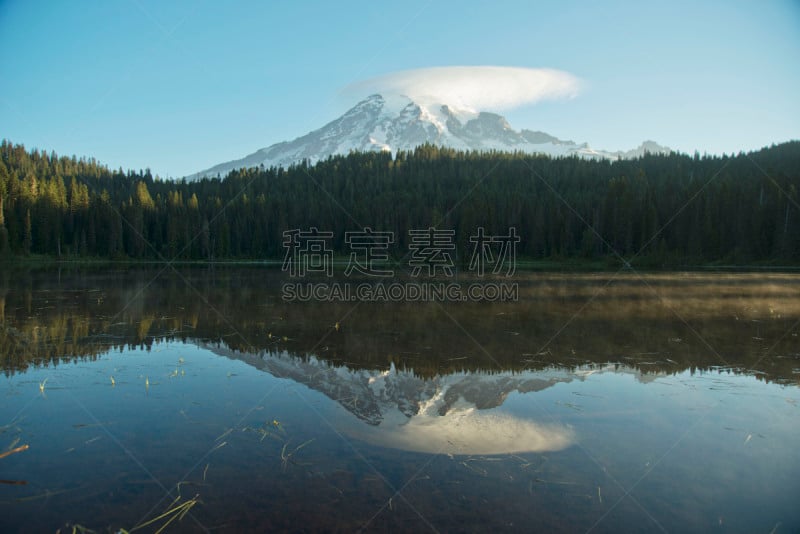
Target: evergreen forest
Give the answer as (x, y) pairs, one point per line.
(674, 209)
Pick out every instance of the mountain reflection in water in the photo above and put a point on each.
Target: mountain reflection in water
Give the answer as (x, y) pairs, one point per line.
(597, 402)
(453, 414)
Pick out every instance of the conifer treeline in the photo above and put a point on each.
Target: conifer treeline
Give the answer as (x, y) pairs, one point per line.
(46, 320)
(668, 208)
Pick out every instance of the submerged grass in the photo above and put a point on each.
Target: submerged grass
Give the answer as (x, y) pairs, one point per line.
(14, 451)
(287, 457)
(176, 510)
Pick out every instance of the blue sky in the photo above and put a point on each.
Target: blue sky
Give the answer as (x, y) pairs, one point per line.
(179, 87)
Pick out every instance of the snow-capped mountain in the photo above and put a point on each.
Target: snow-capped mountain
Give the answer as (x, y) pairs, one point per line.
(393, 123)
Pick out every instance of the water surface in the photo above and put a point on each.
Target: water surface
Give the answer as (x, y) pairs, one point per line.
(597, 402)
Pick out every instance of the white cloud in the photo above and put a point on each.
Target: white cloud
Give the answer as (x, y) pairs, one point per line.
(476, 88)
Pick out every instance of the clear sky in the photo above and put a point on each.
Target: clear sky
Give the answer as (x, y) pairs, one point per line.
(179, 87)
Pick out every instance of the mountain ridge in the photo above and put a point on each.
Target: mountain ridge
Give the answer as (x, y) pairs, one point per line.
(392, 123)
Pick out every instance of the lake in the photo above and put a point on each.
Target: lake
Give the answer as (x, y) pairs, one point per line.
(200, 399)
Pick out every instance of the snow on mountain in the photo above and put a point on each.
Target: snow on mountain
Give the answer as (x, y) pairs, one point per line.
(393, 122)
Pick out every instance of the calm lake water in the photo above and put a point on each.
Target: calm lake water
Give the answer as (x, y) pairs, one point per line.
(595, 403)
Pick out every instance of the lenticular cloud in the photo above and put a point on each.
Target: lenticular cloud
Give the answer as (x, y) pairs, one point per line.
(478, 88)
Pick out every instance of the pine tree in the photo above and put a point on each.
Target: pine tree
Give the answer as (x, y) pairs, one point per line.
(3, 231)
(27, 242)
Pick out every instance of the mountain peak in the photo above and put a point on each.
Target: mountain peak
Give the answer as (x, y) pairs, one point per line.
(396, 122)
